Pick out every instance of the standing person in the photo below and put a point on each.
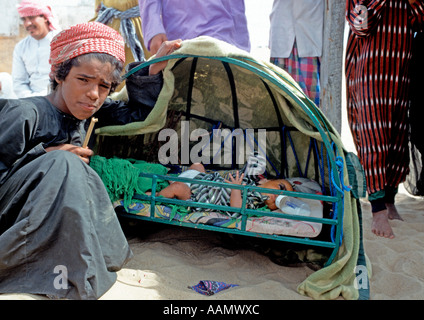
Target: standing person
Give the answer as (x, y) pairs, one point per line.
(296, 38)
(174, 19)
(30, 66)
(378, 59)
(59, 234)
(124, 17)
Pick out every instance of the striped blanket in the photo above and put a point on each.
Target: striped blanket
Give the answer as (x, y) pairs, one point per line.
(221, 196)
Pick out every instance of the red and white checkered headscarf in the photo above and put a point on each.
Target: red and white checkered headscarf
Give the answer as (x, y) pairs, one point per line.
(85, 38)
(28, 8)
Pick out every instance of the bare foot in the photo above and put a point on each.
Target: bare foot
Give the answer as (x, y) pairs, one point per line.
(393, 213)
(380, 224)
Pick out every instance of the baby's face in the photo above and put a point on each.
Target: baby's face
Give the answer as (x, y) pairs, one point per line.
(278, 184)
(270, 202)
(270, 184)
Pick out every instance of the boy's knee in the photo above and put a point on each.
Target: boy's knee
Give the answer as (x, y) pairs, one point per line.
(60, 161)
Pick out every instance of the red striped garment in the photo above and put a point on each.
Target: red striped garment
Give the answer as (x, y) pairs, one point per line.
(28, 8)
(378, 55)
(87, 37)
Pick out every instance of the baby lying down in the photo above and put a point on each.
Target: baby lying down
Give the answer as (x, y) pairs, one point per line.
(223, 196)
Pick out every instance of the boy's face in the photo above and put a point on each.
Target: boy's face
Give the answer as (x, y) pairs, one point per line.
(85, 88)
(37, 26)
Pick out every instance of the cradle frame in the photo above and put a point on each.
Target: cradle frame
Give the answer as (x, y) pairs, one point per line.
(333, 168)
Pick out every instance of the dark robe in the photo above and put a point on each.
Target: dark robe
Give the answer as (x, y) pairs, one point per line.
(59, 234)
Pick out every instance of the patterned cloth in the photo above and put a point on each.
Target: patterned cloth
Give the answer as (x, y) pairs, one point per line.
(305, 71)
(253, 171)
(86, 38)
(127, 27)
(210, 287)
(378, 57)
(221, 196)
(29, 8)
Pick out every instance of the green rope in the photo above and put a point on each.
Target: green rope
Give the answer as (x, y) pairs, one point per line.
(121, 177)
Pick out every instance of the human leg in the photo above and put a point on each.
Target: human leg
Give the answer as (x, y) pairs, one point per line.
(389, 199)
(371, 142)
(177, 189)
(380, 216)
(380, 224)
(197, 166)
(397, 166)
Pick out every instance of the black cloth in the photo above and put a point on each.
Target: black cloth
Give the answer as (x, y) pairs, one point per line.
(59, 234)
(55, 213)
(414, 183)
(139, 79)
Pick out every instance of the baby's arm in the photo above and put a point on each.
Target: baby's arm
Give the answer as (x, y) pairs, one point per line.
(235, 198)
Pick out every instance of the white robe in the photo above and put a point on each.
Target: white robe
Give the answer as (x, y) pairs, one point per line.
(300, 20)
(31, 67)
(6, 91)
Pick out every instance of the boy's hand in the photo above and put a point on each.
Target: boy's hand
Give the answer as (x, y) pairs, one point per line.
(83, 153)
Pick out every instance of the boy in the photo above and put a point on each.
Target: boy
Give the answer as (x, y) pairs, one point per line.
(54, 209)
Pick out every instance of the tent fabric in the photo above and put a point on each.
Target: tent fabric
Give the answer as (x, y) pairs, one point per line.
(339, 278)
(201, 46)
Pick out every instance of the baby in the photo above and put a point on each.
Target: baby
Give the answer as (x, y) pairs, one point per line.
(223, 196)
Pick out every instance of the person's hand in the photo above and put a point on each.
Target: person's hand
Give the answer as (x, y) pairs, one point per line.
(156, 42)
(238, 179)
(165, 49)
(412, 1)
(235, 197)
(83, 153)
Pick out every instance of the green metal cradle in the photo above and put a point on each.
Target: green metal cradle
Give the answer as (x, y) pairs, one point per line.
(234, 90)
